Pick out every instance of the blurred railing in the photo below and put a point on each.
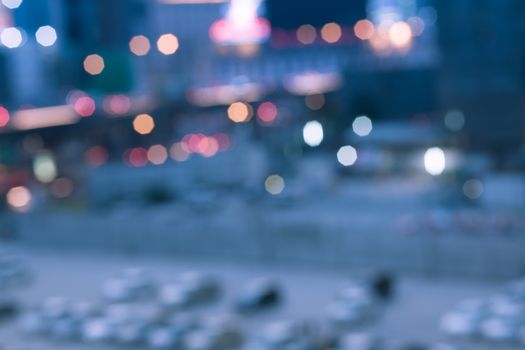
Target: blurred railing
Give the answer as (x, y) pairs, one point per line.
(243, 232)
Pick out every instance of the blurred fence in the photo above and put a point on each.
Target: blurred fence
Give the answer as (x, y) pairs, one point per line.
(259, 234)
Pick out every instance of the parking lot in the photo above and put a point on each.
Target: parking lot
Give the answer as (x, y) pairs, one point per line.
(412, 316)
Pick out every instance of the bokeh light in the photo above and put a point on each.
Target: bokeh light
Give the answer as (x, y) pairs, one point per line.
(400, 35)
(313, 133)
(267, 112)
(157, 154)
(306, 34)
(117, 104)
(139, 45)
(455, 120)
(85, 106)
(96, 156)
(179, 152)
(4, 117)
(12, 4)
(331, 32)
(347, 155)
(362, 126)
(429, 15)
(19, 198)
(143, 124)
(207, 146)
(62, 187)
(240, 112)
(434, 161)
(46, 36)
(473, 188)
(11, 37)
(94, 64)
(137, 157)
(315, 102)
(417, 25)
(44, 167)
(364, 29)
(274, 184)
(168, 44)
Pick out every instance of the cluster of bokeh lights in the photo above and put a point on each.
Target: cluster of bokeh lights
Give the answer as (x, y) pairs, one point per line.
(13, 37)
(206, 146)
(167, 44)
(385, 36)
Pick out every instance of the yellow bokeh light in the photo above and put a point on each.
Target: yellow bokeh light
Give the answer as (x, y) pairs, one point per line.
(139, 45)
(240, 112)
(306, 34)
(331, 32)
(364, 29)
(168, 44)
(19, 198)
(94, 64)
(143, 124)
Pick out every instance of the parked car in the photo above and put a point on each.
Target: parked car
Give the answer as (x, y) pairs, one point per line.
(258, 294)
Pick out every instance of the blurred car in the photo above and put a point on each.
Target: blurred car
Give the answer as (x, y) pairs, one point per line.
(445, 346)
(258, 294)
(190, 289)
(164, 337)
(287, 335)
(131, 333)
(460, 324)
(465, 319)
(130, 285)
(98, 330)
(215, 333)
(499, 329)
(359, 341)
(353, 304)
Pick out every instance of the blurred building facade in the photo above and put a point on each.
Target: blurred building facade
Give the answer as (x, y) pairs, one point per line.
(482, 68)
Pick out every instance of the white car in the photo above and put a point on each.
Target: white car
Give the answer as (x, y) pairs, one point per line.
(128, 286)
(353, 304)
(188, 290)
(215, 334)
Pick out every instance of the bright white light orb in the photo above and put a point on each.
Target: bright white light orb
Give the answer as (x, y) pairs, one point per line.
(435, 161)
(44, 168)
(347, 155)
(274, 184)
(46, 36)
(313, 133)
(362, 126)
(12, 4)
(11, 37)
